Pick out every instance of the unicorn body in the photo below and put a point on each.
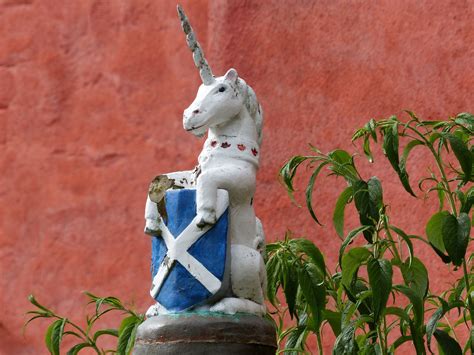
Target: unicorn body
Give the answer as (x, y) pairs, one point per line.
(227, 109)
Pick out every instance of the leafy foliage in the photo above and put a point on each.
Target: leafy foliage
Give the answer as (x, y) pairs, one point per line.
(358, 308)
(88, 337)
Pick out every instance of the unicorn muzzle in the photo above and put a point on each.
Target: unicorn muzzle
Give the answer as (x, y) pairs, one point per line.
(191, 120)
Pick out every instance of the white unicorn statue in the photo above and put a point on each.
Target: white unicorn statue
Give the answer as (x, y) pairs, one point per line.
(227, 109)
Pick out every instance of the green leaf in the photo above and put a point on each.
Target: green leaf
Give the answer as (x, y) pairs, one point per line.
(390, 144)
(295, 343)
(371, 129)
(463, 155)
(112, 332)
(131, 341)
(415, 276)
(412, 115)
(288, 171)
(350, 237)
(338, 216)
(127, 328)
(57, 336)
(334, 320)
(33, 301)
(47, 337)
(274, 269)
(302, 245)
(32, 319)
(417, 303)
(436, 316)
(362, 200)
(366, 148)
(390, 148)
(435, 136)
(290, 286)
(462, 135)
(76, 348)
(342, 164)
(401, 340)
(368, 212)
(113, 302)
(455, 233)
(416, 326)
(441, 194)
(404, 179)
(465, 119)
(54, 335)
(351, 263)
(309, 191)
(341, 156)
(434, 228)
(346, 343)
(447, 344)
(468, 201)
(406, 239)
(312, 285)
(380, 279)
(375, 193)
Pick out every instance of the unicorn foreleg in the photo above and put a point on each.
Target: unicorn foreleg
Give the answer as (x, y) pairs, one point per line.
(239, 181)
(206, 199)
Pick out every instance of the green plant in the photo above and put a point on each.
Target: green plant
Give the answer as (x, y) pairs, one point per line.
(88, 337)
(354, 300)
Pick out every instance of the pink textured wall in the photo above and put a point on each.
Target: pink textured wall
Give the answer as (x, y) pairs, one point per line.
(91, 96)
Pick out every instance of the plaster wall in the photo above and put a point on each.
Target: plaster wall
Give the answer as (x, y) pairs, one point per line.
(91, 98)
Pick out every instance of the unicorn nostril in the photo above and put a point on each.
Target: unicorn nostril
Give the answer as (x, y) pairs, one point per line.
(196, 112)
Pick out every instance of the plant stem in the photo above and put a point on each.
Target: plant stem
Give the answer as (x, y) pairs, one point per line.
(468, 290)
(389, 237)
(469, 298)
(381, 340)
(451, 327)
(439, 164)
(88, 339)
(320, 342)
(385, 334)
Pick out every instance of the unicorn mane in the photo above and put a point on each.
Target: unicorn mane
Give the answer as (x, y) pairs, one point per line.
(253, 107)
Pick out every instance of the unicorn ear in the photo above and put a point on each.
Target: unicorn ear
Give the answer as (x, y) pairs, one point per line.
(231, 75)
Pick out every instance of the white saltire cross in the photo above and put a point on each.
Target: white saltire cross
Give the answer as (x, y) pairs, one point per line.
(178, 251)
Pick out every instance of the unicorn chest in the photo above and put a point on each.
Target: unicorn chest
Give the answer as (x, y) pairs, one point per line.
(221, 149)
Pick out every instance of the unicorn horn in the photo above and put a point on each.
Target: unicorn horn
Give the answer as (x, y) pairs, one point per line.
(198, 56)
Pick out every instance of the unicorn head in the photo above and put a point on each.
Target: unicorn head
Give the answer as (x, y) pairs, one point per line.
(215, 104)
(219, 99)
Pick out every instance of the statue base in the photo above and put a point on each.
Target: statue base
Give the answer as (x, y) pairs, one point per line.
(205, 333)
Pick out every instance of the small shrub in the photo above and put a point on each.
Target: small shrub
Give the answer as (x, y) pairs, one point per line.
(88, 337)
(355, 307)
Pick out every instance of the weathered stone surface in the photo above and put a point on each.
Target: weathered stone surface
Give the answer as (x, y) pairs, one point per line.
(7, 89)
(91, 111)
(196, 334)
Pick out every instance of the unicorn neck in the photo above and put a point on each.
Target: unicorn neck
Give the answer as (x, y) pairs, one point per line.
(241, 126)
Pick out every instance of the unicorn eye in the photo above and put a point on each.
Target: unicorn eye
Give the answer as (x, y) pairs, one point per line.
(222, 89)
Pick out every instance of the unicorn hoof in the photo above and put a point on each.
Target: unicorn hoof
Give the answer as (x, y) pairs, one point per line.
(231, 305)
(152, 311)
(152, 232)
(206, 219)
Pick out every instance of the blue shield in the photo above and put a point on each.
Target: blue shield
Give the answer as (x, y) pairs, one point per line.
(188, 262)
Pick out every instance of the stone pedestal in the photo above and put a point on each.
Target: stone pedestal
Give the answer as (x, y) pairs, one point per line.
(205, 333)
